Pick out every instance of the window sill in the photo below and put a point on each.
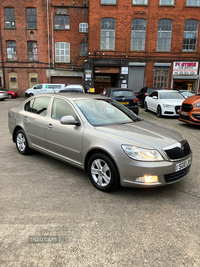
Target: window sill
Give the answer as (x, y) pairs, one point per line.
(137, 51)
(61, 29)
(32, 61)
(13, 61)
(167, 5)
(31, 29)
(109, 4)
(186, 51)
(139, 5)
(64, 62)
(192, 6)
(84, 32)
(163, 51)
(9, 28)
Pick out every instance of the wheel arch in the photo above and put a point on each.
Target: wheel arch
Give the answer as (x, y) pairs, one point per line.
(95, 151)
(15, 131)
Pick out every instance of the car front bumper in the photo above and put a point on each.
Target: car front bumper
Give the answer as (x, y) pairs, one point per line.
(165, 170)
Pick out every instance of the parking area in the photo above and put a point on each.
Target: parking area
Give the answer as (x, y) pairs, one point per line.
(52, 216)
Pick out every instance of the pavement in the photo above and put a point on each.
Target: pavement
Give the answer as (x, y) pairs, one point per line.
(52, 216)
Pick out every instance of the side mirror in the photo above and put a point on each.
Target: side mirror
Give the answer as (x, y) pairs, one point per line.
(155, 97)
(69, 120)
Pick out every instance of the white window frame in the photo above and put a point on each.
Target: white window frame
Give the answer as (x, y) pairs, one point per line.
(164, 36)
(108, 34)
(138, 36)
(62, 52)
(186, 36)
(140, 2)
(83, 27)
(113, 2)
(193, 3)
(166, 2)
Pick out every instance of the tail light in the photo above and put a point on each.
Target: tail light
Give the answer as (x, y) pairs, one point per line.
(9, 112)
(135, 100)
(146, 94)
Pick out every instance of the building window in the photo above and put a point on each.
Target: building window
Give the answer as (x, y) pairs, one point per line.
(193, 3)
(9, 18)
(83, 27)
(62, 52)
(11, 50)
(140, 2)
(164, 35)
(32, 51)
(161, 78)
(138, 33)
(31, 19)
(107, 34)
(62, 22)
(167, 2)
(190, 35)
(83, 49)
(108, 1)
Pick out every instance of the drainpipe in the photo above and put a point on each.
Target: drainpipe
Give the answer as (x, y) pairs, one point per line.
(52, 39)
(4, 84)
(48, 40)
(144, 81)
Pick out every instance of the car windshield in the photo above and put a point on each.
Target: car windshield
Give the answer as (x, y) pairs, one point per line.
(101, 112)
(125, 93)
(187, 93)
(170, 95)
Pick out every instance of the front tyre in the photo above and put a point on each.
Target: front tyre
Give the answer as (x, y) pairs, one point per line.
(103, 172)
(9, 96)
(145, 106)
(159, 111)
(21, 143)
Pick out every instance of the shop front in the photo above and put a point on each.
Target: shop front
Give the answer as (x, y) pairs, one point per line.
(185, 76)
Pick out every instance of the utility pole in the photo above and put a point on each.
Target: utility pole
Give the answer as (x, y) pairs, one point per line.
(2, 59)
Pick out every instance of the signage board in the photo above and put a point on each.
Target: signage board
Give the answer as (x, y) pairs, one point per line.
(185, 68)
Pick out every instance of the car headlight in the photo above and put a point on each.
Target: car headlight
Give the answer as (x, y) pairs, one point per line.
(168, 106)
(142, 154)
(197, 105)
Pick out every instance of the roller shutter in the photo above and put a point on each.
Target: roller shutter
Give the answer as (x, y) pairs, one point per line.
(135, 78)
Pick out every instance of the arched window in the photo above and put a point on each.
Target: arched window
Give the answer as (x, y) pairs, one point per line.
(190, 35)
(107, 34)
(83, 27)
(164, 35)
(62, 52)
(138, 33)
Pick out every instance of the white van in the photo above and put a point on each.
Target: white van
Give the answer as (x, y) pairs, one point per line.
(44, 88)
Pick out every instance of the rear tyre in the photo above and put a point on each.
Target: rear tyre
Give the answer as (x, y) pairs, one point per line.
(9, 96)
(30, 95)
(145, 106)
(142, 104)
(103, 172)
(22, 143)
(159, 111)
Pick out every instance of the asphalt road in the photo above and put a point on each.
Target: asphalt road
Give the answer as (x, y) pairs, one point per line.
(52, 216)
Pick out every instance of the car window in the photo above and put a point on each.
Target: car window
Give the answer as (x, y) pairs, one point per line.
(38, 105)
(170, 95)
(62, 108)
(124, 93)
(39, 86)
(105, 112)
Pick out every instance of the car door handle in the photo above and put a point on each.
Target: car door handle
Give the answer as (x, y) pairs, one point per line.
(50, 126)
(25, 118)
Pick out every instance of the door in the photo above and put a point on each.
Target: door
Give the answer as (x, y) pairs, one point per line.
(64, 141)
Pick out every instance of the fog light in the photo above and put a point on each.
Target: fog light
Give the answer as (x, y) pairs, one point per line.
(147, 179)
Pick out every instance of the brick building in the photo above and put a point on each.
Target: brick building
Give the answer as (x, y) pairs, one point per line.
(99, 43)
(42, 41)
(133, 43)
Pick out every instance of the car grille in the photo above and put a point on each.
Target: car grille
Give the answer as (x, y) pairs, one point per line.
(187, 107)
(177, 108)
(172, 177)
(178, 153)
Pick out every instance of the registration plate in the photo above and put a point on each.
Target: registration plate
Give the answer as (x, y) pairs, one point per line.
(184, 113)
(182, 165)
(124, 103)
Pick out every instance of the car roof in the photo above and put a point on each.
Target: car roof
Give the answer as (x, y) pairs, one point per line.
(72, 96)
(117, 89)
(166, 91)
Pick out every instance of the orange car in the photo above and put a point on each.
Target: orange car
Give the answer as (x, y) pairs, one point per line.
(190, 110)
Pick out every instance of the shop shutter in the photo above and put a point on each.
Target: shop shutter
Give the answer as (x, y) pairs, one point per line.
(135, 78)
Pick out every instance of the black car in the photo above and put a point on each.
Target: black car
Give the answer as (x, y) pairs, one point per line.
(126, 97)
(145, 91)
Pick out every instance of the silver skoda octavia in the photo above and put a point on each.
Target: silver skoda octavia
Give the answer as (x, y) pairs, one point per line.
(101, 136)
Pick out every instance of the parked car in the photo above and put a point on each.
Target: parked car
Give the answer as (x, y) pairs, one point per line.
(73, 88)
(126, 97)
(101, 136)
(42, 88)
(3, 94)
(186, 93)
(145, 91)
(164, 102)
(12, 94)
(190, 110)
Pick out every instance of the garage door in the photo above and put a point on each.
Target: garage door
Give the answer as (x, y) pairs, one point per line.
(66, 80)
(135, 78)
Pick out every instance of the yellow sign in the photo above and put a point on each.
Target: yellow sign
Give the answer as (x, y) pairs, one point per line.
(92, 90)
